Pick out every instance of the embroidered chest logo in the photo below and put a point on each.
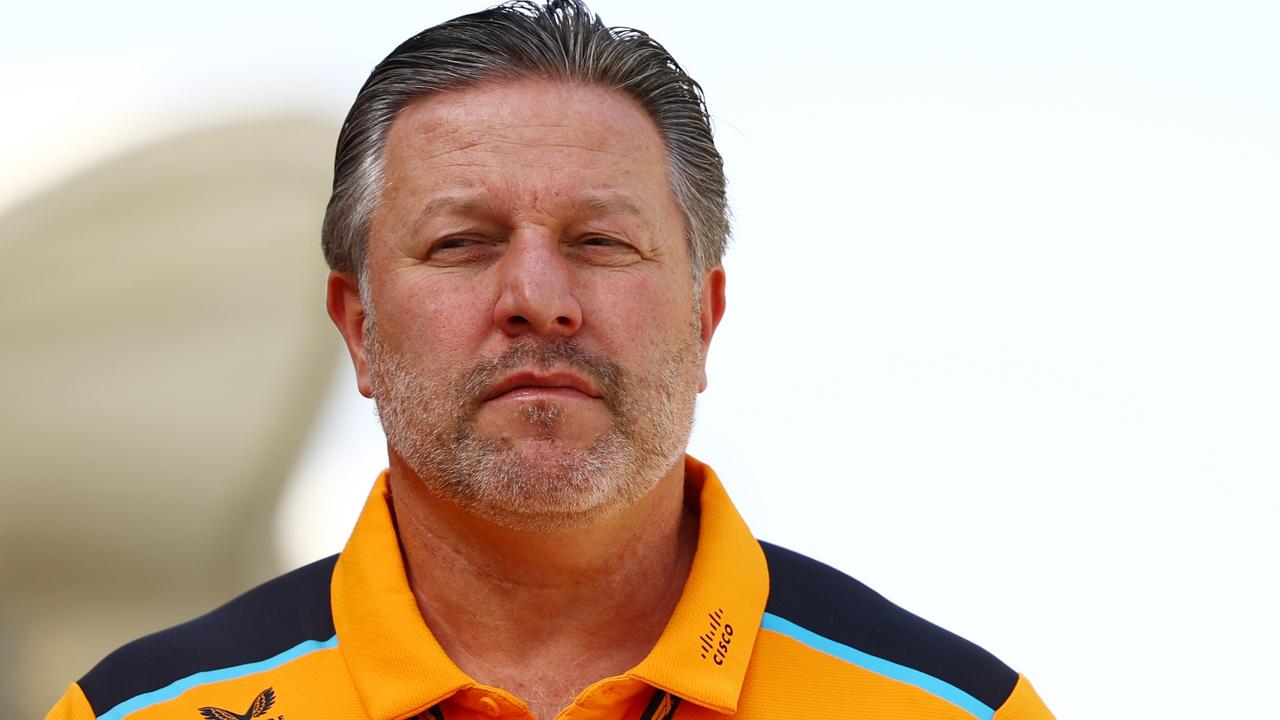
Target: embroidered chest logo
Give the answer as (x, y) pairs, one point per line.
(716, 640)
(259, 708)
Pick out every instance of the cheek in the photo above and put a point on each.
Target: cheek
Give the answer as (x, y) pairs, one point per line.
(436, 315)
(644, 320)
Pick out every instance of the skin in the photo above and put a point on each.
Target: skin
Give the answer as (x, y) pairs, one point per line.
(539, 209)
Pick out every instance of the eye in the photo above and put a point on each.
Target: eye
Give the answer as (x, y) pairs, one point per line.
(460, 250)
(604, 250)
(598, 244)
(452, 244)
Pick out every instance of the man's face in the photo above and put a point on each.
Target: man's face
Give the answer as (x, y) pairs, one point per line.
(534, 342)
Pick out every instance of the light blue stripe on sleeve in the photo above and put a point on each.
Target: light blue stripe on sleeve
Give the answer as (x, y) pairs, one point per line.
(177, 687)
(902, 673)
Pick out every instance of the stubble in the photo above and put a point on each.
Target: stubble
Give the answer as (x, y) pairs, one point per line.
(431, 423)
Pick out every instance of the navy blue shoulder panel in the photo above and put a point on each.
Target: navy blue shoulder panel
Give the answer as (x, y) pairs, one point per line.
(260, 624)
(825, 601)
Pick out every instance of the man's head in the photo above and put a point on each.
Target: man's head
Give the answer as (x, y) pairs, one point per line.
(525, 307)
(561, 40)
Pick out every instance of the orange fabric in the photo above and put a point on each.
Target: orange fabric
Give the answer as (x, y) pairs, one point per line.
(72, 706)
(399, 668)
(788, 679)
(783, 664)
(712, 655)
(728, 585)
(309, 687)
(1023, 704)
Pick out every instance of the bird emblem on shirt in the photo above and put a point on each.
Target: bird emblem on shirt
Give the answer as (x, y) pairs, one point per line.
(260, 706)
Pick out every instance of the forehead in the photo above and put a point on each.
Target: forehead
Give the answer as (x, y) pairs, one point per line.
(542, 139)
(534, 104)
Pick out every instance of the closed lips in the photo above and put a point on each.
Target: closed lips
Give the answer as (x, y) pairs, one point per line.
(542, 381)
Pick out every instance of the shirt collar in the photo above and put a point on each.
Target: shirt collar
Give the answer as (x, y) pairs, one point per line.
(703, 653)
(397, 665)
(399, 668)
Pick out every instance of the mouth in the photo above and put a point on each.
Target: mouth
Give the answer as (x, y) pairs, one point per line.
(533, 385)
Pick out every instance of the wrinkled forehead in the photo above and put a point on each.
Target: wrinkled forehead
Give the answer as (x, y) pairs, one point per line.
(510, 113)
(531, 142)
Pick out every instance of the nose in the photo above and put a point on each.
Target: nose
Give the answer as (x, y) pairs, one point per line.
(537, 294)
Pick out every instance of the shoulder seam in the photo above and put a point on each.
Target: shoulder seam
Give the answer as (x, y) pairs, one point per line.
(880, 666)
(289, 614)
(832, 612)
(208, 677)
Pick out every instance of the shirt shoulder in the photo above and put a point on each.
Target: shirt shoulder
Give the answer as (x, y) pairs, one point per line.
(827, 611)
(265, 627)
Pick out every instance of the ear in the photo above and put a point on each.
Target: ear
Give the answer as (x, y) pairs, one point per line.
(712, 309)
(346, 309)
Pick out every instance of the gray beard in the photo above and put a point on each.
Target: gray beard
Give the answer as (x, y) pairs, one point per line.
(430, 423)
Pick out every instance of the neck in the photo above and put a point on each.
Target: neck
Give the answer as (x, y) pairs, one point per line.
(544, 614)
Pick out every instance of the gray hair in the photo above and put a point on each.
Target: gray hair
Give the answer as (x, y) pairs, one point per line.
(561, 40)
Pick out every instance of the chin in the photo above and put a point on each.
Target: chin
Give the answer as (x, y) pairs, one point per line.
(544, 484)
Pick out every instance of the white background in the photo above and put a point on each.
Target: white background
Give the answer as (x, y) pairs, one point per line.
(1002, 332)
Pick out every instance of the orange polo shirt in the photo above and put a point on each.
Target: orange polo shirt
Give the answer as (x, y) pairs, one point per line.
(759, 632)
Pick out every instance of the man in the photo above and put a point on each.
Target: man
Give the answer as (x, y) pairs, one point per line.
(525, 238)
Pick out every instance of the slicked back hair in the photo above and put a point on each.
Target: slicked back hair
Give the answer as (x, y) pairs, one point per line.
(561, 40)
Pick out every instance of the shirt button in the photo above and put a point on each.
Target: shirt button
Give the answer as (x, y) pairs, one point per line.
(490, 706)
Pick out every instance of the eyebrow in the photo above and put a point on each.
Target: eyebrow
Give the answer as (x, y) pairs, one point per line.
(452, 204)
(609, 203)
(596, 204)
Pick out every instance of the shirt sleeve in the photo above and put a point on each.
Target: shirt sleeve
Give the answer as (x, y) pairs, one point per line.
(1023, 704)
(72, 706)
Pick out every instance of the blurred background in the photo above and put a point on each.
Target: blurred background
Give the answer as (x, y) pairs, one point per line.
(1002, 334)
